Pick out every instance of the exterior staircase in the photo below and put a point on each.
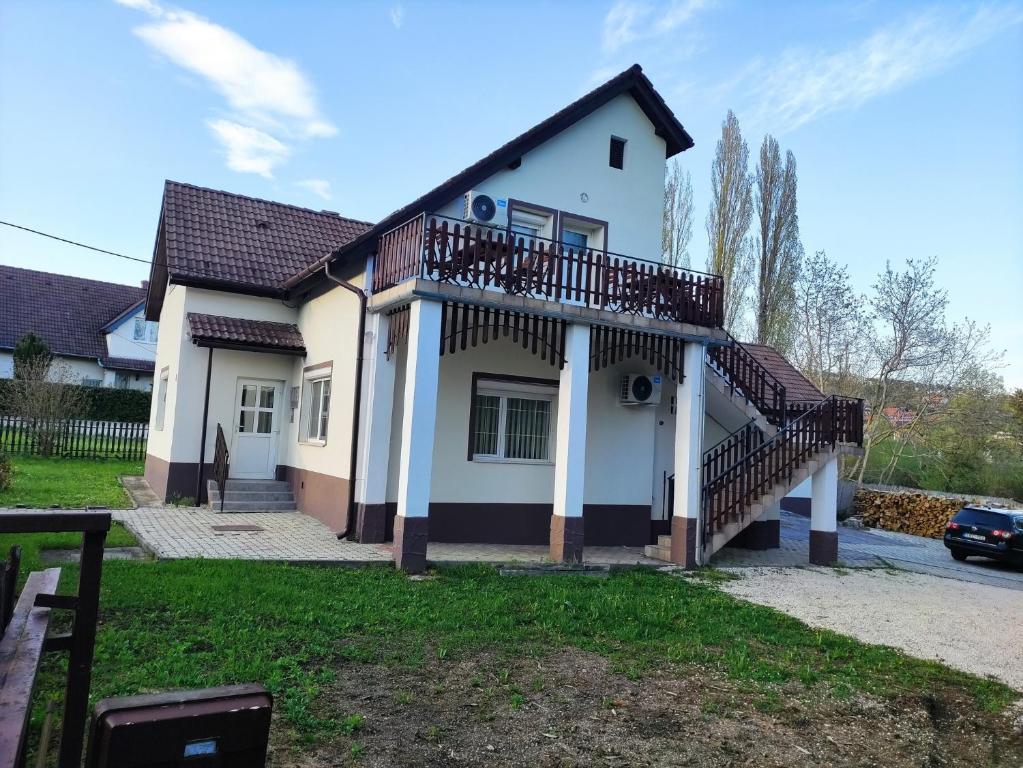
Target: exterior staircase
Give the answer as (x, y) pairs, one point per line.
(252, 496)
(749, 472)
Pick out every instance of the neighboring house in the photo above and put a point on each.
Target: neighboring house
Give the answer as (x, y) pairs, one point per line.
(899, 417)
(483, 365)
(98, 329)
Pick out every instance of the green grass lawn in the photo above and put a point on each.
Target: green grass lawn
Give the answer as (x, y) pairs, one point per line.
(193, 623)
(69, 483)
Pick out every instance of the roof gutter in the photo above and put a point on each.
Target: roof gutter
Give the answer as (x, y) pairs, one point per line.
(357, 397)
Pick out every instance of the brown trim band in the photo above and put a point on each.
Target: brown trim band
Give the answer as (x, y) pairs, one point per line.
(823, 547)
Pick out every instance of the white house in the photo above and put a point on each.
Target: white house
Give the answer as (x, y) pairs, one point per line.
(504, 359)
(97, 329)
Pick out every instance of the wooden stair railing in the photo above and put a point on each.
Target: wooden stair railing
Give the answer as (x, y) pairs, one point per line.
(743, 372)
(747, 465)
(221, 459)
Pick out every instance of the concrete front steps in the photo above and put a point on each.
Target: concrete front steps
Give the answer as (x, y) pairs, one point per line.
(253, 496)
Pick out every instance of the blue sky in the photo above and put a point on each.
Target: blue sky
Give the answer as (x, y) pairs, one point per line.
(906, 118)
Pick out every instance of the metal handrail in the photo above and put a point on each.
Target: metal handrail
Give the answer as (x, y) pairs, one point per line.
(221, 464)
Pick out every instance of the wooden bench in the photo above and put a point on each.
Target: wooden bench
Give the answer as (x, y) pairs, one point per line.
(26, 637)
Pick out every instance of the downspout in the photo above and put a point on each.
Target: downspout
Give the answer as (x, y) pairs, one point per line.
(205, 418)
(357, 398)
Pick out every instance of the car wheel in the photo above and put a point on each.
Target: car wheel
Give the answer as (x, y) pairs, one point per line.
(958, 554)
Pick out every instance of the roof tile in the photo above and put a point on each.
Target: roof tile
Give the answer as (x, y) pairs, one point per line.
(797, 387)
(220, 330)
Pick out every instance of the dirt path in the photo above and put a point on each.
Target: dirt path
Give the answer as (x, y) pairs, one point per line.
(973, 627)
(570, 709)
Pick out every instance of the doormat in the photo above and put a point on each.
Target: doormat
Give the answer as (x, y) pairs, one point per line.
(238, 528)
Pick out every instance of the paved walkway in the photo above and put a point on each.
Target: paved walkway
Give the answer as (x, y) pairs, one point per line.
(183, 532)
(873, 548)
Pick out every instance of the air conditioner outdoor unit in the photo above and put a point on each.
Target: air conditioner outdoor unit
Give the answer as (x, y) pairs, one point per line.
(640, 389)
(479, 207)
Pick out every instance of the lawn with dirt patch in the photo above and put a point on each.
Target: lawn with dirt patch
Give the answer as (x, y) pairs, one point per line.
(474, 668)
(69, 483)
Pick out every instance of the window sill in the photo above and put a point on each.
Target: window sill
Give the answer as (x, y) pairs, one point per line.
(499, 460)
(313, 443)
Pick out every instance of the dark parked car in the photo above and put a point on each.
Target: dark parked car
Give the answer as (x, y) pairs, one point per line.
(994, 533)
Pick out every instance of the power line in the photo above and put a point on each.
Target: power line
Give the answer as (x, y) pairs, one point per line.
(72, 242)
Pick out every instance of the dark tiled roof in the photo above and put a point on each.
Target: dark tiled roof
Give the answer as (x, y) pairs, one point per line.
(217, 236)
(797, 387)
(67, 312)
(127, 364)
(631, 81)
(219, 331)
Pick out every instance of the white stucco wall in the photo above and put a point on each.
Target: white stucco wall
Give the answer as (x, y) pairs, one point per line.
(179, 439)
(121, 342)
(575, 162)
(619, 445)
(329, 325)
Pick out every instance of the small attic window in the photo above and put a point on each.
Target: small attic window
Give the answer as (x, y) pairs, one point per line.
(617, 158)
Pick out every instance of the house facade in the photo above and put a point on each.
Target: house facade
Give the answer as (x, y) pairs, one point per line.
(98, 330)
(504, 359)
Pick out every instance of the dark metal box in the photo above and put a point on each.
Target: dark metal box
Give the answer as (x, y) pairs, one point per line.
(224, 727)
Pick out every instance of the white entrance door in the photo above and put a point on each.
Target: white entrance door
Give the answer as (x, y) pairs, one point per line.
(664, 453)
(254, 445)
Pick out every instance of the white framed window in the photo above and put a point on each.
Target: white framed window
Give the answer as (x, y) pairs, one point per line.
(145, 330)
(88, 382)
(513, 422)
(315, 415)
(528, 225)
(161, 399)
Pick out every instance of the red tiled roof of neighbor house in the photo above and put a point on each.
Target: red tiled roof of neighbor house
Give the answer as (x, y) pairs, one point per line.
(797, 387)
(67, 312)
(127, 364)
(237, 332)
(214, 237)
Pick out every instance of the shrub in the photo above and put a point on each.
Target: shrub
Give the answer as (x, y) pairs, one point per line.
(6, 471)
(103, 404)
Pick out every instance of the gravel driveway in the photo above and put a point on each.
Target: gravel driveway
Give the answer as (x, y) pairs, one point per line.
(977, 628)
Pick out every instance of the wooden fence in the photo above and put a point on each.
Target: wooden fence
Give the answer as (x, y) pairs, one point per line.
(74, 438)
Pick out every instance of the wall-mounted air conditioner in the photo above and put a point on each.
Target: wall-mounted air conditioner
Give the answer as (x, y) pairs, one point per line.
(640, 389)
(479, 207)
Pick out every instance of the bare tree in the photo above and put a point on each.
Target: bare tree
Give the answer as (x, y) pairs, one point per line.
(778, 252)
(43, 397)
(912, 342)
(731, 211)
(677, 221)
(829, 327)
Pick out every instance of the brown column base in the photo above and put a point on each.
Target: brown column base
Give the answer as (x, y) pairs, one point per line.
(683, 541)
(410, 543)
(566, 539)
(823, 547)
(371, 523)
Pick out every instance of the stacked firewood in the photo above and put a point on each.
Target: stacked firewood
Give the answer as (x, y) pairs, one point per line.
(915, 513)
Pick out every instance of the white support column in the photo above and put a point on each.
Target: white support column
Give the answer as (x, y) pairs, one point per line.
(375, 437)
(689, 416)
(824, 514)
(422, 368)
(570, 450)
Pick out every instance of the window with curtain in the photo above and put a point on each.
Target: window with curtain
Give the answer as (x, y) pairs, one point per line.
(513, 422)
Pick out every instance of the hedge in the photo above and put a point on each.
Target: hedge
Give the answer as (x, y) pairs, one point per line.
(102, 403)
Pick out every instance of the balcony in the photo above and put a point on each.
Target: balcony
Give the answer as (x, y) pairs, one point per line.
(447, 250)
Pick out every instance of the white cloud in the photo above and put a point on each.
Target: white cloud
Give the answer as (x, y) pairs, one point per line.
(267, 94)
(803, 86)
(249, 150)
(630, 21)
(397, 15)
(319, 187)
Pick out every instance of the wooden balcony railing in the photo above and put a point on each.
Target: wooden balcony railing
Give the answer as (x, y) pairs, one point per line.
(733, 482)
(464, 253)
(745, 374)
